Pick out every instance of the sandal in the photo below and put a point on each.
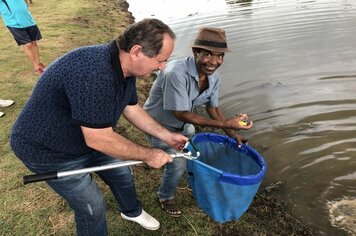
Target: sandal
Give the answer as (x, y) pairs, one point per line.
(38, 71)
(170, 207)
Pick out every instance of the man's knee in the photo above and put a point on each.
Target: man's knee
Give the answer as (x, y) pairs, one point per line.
(96, 209)
(178, 166)
(89, 207)
(30, 45)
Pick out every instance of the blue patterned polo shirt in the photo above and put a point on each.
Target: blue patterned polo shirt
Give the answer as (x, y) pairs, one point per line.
(85, 87)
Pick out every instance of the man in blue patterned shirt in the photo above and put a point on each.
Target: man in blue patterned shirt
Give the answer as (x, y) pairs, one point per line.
(68, 122)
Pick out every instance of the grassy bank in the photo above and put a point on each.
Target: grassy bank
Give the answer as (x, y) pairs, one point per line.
(35, 209)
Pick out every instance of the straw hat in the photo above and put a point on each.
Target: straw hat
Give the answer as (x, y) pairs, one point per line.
(211, 39)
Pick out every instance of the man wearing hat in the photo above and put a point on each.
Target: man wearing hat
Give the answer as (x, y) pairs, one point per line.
(183, 85)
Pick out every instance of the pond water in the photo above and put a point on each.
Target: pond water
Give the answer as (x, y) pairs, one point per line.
(293, 71)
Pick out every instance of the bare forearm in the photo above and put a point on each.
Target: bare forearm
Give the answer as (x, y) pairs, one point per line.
(143, 121)
(217, 114)
(195, 119)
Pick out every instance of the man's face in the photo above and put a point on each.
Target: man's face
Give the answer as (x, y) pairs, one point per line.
(147, 65)
(208, 62)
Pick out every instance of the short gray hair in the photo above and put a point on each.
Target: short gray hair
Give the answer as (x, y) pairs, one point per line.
(148, 33)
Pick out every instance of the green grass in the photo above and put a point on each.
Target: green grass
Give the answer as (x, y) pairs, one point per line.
(35, 209)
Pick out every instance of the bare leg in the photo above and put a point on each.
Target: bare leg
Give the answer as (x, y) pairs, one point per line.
(33, 54)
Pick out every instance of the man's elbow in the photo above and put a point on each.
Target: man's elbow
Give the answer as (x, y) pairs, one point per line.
(91, 138)
(180, 115)
(91, 142)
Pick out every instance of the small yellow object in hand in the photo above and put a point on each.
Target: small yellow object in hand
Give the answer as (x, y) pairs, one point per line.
(243, 122)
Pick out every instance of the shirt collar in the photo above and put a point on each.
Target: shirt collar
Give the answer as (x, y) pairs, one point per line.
(192, 68)
(115, 60)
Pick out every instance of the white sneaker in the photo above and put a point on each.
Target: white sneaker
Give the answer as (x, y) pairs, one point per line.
(2, 114)
(145, 220)
(6, 103)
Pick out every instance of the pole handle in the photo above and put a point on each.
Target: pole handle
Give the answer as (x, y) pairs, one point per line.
(40, 177)
(55, 174)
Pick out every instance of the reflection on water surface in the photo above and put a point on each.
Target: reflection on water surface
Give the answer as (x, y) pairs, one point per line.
(293, 70)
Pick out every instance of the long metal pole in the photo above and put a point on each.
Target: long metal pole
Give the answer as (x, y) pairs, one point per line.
(55, 174)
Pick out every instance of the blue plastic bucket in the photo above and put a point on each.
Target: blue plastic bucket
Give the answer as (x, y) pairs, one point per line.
(224, 178)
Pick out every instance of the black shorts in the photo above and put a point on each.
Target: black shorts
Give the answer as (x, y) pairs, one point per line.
(25, 35)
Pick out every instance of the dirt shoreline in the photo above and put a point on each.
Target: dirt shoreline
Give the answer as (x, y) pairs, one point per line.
(267, 214)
